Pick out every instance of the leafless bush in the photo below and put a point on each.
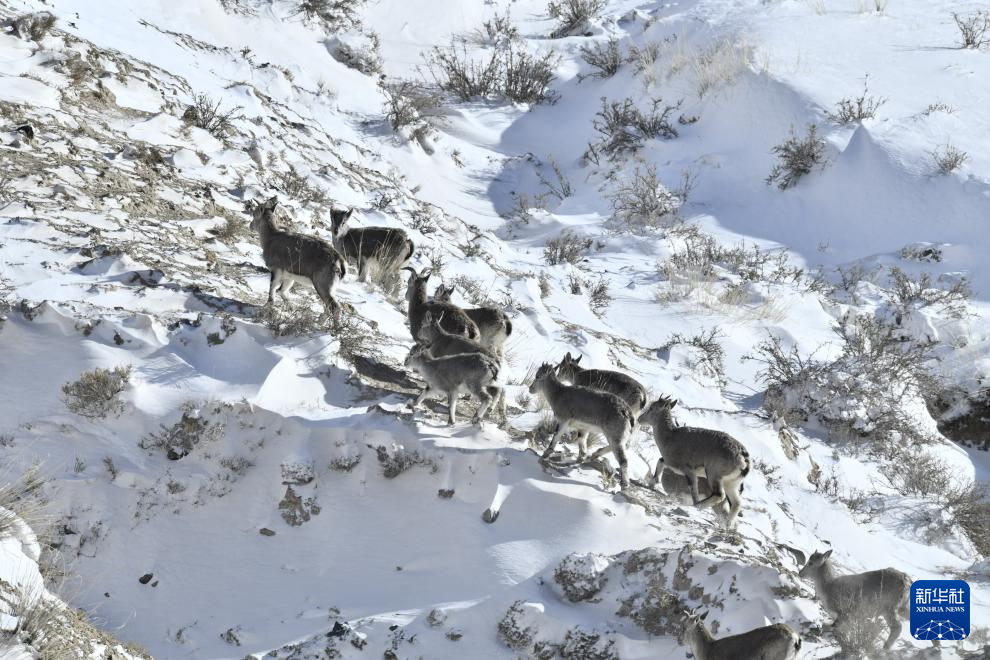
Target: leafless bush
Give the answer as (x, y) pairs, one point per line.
(498, 31)
(605, 59)
(412, 105)
(877, 6)
(973, 28)
(599, 298)
(206, 114)
(568, 248)
(291, 319)
(238, 7)
(926, 476)
(860, 636)
(573, 16)
(31, 26)
(708, 343)
(178, 440)
(798, 156)
(622, 127)
(948, 158)
(906, 293)
(364, 56)
(861, 393)
(473, 290)
(354, 336)
(455, 72)
(527, 77)
(642, 202)
(702, 256)
(862, 107)
(644, 57)
(938, 106)
(561, 188)
(336, 15)
(97, 392)
(111, 467)
(298, 187)
(507, 72)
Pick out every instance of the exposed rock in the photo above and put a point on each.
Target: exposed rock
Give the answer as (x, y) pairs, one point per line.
(966, 421)
(295, 473)
(295, 510)
(518, 628)
(581, 576)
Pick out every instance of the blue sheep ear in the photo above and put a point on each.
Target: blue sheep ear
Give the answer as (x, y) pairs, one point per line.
(704, 616)
(578, 360)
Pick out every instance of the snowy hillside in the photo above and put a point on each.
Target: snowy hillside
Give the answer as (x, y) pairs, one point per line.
(640, 186)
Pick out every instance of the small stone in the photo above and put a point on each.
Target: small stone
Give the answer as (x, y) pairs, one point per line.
(264, 531)
(489, 516)
(146, 578)
(445, 493)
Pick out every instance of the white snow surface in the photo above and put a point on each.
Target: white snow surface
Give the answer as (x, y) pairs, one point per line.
(384, 565)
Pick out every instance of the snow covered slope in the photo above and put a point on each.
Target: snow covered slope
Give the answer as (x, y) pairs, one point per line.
(259, 487)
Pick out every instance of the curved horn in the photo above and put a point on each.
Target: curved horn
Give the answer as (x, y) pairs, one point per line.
(411, 270)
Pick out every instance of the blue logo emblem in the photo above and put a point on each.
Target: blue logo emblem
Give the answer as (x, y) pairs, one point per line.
(940, 610)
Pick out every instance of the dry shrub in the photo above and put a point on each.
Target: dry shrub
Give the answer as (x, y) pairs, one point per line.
(948, 158)
(336, 15)
(703, 256)
(798, 157)
(410, 104)
(505, 72)
(291, 319)
(708, 343)
(206, 114)
(599, 298)
(622, 127)
(180, 439)
(567, 248)
(605, 59)
(96, 394)
(642, 202)
(905, 293)
(354, 336)
(963, 503)
(363, 55)
(973, 29)
(858, 395)
(859, 108)
(497, 31)
(573, 16)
